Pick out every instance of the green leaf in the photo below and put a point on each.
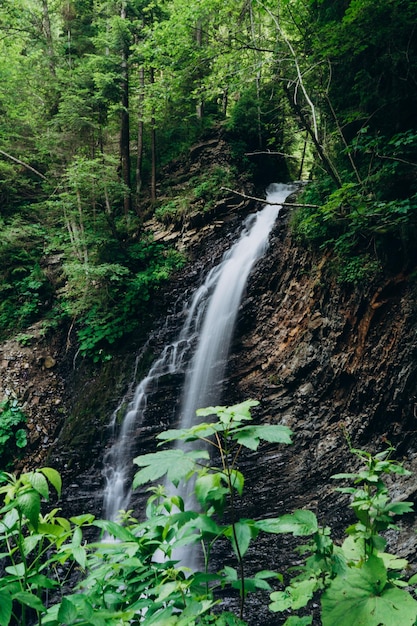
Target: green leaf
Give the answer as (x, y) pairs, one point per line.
(30, 505)
(21, 438)
(30, 542)
(80, 555)
(54, 478)
(39, 483)
(116, 530)
(16, 570)
(229, 414)
(199, 431)
(240, 535)
(361, 597)
(237, 480)
(29, 599)
(251, 436)
(207, 525)
(82, 520)
(294, 620)
(281, 601)
(301, 523)
(5, 608)
(399, 508)
(175, 464)
(209, 488)
(68, 612)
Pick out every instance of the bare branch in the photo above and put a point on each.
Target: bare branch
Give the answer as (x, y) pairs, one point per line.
(288, 204)
(272, 153)
(26, 165)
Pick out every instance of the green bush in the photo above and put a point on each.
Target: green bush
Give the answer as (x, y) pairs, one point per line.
(12, 434)
(132, 575)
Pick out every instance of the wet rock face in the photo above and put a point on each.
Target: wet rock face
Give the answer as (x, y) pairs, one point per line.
(325, 360)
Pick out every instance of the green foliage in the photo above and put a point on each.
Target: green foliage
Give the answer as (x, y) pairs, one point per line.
(12, 434)
(125, 581)
(25, 290)
(172, 211)
(358, 581)
(207, 187)
(113, 296)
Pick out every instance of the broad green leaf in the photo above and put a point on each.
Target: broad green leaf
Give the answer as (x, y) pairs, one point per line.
(39, 483)
(199, 431)
(295, 596)
(302, 592)
(116, 530)
(175, 464)
(301, 523)
(5, 607)
(163, 617)
(294, 620)
(80, 555)
(56, 530)
(68, 612)
(281, 601)
(391, 561)
(240, 535)
(237, 480)
(166, 590)
(9, 520)
(229, 414)
(77, 537)
(361, 597)
(43, 581)
(82, 520)
(30, 542)
(29, 599)
(399, 508)
(54, 478)
(230, 573)
(30, 505)
(16, 570)
(209, 488)
(251, 436)
(193, 609)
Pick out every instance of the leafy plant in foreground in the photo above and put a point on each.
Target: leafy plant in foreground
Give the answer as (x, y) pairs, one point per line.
(12, 433)
(215, 487)
(134, 574)
(360, 582)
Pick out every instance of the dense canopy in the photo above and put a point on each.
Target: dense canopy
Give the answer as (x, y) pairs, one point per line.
(97, 96)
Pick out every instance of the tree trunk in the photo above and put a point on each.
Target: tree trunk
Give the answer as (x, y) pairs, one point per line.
(327, 164)
(125, 126)
(153, 148)
(139, 160)
(47, 31)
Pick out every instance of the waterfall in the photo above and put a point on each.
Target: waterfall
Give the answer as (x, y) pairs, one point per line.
(201, 349)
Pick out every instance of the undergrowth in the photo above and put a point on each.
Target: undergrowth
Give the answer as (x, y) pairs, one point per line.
(132, 574)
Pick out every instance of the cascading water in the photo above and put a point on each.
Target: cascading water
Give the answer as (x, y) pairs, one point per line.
(201, 349)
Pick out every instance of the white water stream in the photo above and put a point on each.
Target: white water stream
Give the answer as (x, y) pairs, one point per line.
(202, 346)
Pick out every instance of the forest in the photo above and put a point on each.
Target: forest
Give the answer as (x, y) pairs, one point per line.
(99, 100)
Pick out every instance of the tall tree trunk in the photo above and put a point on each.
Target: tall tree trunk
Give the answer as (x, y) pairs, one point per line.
(199, 107)
(125, 126)
(153, 148)
(47, 32)
(139, 160)
(326, 162)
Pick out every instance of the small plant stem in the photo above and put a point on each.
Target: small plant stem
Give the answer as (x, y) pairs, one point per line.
(227, 470)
